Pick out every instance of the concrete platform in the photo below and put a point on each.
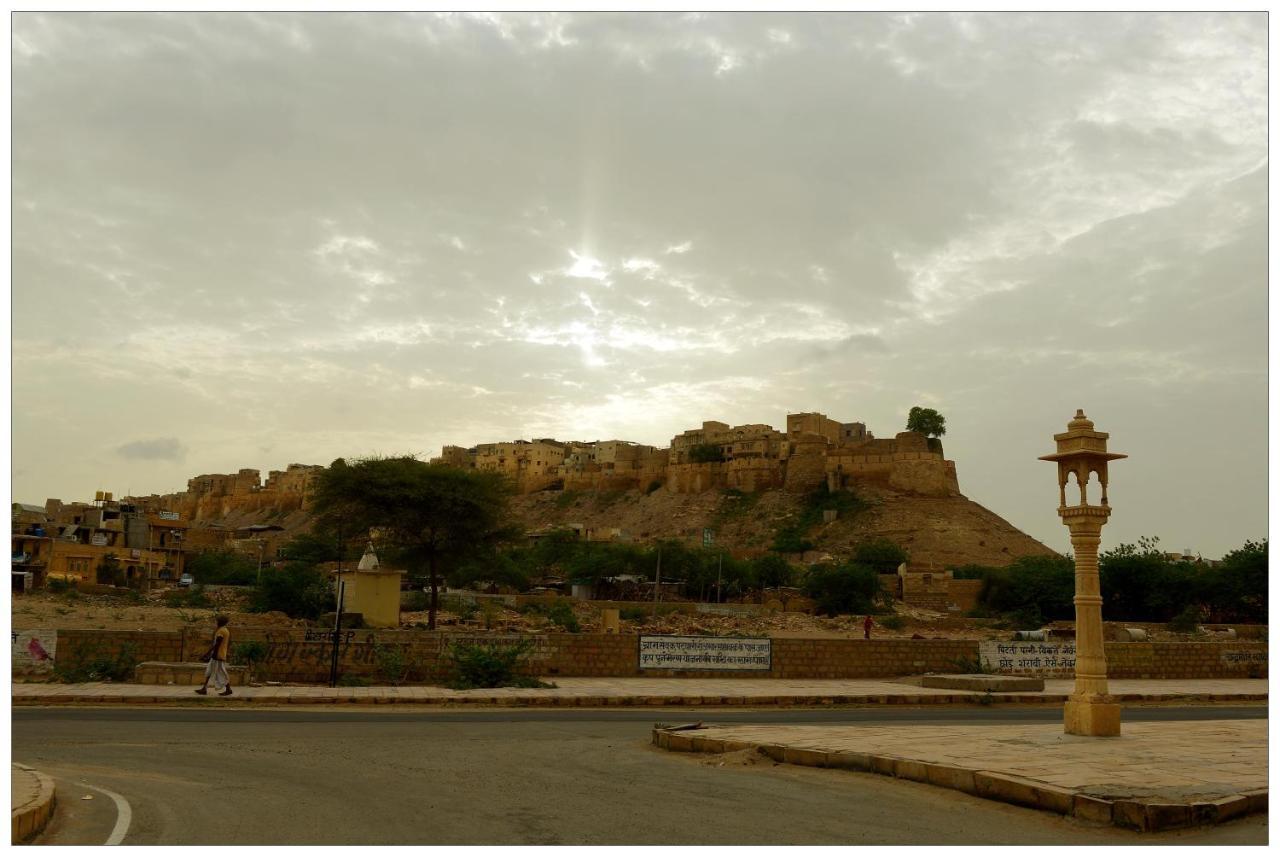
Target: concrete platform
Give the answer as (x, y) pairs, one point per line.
(984, 683)
(1153, 776)
(32, 797)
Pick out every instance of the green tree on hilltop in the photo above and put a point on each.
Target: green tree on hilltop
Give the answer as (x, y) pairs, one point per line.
(927, 421)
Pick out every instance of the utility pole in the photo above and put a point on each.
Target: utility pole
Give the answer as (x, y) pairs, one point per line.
(719, 577)
(337, 617)
(657, 583)
(262, 546)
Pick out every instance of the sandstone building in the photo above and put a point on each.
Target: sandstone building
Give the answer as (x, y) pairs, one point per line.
(813, 451)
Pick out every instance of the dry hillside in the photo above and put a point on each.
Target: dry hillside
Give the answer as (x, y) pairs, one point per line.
(944, 531)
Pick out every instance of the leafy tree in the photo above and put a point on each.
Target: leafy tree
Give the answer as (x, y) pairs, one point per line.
(298, 590)
(704, 453)
(499, 568)
(315, 548)
(927, 421)
(1237, 589)
(881, 554)
(223, 567)
(110, 572)
(430, 518)
(770, 571)
(843, 589)
(1036, 586)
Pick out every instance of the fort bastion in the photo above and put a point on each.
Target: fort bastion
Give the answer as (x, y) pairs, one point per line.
(813, 450)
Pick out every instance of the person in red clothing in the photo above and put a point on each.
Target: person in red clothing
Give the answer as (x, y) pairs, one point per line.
(866, 628)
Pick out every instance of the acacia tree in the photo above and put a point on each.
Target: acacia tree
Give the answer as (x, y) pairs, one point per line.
(429, 517)
(927, 421)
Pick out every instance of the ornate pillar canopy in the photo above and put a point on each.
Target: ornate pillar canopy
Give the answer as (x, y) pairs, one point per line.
(1082, 451)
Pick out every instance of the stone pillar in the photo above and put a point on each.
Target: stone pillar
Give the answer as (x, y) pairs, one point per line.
(1082, 450)
(1090, 709)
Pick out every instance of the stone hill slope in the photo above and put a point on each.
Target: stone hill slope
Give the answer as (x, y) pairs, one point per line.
(942, 531)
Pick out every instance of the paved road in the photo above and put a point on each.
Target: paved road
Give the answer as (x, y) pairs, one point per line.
(494, 777)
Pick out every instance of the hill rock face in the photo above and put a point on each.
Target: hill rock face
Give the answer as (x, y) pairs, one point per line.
(939, 531)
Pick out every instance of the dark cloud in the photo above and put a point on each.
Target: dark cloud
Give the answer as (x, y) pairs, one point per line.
(157, 449)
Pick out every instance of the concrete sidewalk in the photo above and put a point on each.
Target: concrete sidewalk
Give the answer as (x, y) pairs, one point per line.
(32, 798)
(598, 692)
(1154, 776)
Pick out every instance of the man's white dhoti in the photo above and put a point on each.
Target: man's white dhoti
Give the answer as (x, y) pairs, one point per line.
(215, 673)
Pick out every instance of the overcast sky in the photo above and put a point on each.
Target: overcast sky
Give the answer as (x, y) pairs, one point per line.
(244, 240)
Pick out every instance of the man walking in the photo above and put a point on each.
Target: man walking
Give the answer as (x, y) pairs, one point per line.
(216, 670)
(866, 627)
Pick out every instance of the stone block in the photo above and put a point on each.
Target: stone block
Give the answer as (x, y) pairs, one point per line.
(1167, 816)
(951, 777)
(1257, 800)
(803, 756)
(883, 765)
(1129, 813)
(1006, 788)
(1098, 719)
(849, 761)
(1090, 808)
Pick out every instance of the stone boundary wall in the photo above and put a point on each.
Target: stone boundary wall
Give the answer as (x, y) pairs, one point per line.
(303, 656)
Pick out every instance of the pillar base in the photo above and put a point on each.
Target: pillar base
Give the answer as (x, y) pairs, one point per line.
(1087, 717)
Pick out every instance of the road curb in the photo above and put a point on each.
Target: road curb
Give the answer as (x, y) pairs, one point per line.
(1145, 816)
(31, 817)
(598, 701)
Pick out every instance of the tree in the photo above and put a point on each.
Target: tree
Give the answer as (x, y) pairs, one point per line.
(110, 572)
(298, 590)
(431, 518)
(771, 571)
(223, 567)
(843, 589)
(927, 421)
(881, 554)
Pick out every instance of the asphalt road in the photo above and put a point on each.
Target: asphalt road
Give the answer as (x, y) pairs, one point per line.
(253, 776)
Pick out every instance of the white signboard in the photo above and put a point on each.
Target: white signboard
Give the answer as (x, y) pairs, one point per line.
(167, 516)
(1028, 658)
(705, 653)
(33, 651)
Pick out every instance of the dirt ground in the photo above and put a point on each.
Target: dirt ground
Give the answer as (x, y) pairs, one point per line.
(49, 611)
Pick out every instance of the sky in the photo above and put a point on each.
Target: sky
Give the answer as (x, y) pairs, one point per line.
(244, 240)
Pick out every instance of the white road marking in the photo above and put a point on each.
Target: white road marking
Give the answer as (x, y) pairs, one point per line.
(124, 815)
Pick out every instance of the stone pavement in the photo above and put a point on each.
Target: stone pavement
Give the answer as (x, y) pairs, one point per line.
(1153, 776)
(32, 798)
(595, 692)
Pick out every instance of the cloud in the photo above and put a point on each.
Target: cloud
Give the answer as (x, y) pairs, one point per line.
(156, 449)
(325, 233)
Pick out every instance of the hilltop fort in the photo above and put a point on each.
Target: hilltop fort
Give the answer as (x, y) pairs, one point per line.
(813, 451)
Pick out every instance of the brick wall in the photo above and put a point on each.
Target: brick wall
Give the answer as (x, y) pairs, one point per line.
(300, 656)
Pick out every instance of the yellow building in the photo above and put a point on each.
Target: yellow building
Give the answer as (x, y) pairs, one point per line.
(372, 591)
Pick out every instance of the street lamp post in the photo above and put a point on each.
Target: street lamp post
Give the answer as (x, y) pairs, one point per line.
(1090, 710)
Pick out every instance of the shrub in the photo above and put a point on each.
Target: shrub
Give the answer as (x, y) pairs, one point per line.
(561, 613)
(417, 601)
(298, 591)
(476, 665)
(634, 614)
(352, 681)
(894, 622)
(60, 585)
(770, 571)
(249, 653)
(882, 555)
(972, 665)
(842, 589)
(225, 567)
(193, 597)
(1039, 586)
(392, 663)
(110, 572)
(653, 486)
(1185, 622)
(81, 667)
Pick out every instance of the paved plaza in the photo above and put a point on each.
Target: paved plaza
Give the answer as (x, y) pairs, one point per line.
(587, 692)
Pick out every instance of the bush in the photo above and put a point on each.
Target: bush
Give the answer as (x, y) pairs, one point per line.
(417, 601)
(475, 665)
(109, 572)
(843, 589)
(194, 597)
(392, 663)
(561, 613)
(249, 653)
(894, 622)
(1185, 622)
(653, 486)
(634, 614)
(771, 571)
(298, 591)
(80, 667)
(60, 585)
(224, 567)
(880, 554)
(1040, 586)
